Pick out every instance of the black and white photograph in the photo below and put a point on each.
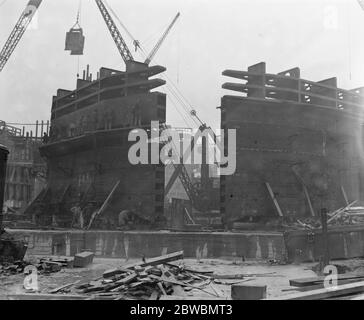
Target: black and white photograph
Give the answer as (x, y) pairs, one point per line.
(179, 155)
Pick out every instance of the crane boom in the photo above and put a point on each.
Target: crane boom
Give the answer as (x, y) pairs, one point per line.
(160, 41)
(115, 33)
(180, 172)
(18, 31)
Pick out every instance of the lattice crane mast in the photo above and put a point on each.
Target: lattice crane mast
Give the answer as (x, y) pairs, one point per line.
(161, 40)
(18, 31)
(115, 33)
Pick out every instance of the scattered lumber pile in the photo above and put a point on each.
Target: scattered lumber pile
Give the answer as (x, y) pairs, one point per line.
(156, 278)
(148, 280)
(348, 215)
(51, 265)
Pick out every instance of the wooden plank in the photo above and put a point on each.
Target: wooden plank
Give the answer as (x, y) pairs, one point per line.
(341, 211)
(164, 279)
(344, 195)
(319, 294)
(190, 270)
(302, 282)
(160, 286)
(64, 287)
(150, 262)
(305, 191)
(319, 286)
(230, 282)
(274, 199)
(243, 275)
(189, 216)
(106, 202)
(127, 279)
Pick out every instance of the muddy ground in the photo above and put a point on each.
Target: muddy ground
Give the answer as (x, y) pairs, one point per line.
(276, 277)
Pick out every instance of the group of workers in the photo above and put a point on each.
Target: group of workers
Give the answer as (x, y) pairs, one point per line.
(85, 218)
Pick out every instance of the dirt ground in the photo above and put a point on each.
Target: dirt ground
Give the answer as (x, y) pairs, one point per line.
(276, 277)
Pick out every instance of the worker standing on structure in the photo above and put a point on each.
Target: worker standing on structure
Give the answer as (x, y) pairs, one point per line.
(77, 219)
(137, 114)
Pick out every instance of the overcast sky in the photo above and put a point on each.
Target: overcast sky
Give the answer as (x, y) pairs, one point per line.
(325, 38)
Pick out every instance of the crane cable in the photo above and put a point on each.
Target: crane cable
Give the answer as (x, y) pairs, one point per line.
(136, 43)
(173, 89)
(179, 97)
(349, 43)
(78, 17)
(78, 23)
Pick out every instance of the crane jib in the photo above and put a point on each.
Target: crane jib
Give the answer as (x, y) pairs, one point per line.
(115, 33)
(18, 31)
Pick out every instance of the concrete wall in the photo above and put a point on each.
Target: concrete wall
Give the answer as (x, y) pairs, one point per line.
(345, 242)
(115, 244)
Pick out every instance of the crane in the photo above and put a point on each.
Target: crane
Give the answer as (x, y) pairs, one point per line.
(197, 194)
(160, 41)
(115, 33)
(18, 31)
(105, 9)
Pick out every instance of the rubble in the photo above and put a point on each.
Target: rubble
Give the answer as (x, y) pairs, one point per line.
(148, 280)
(156, 279)
(348, 215)
(44, 266)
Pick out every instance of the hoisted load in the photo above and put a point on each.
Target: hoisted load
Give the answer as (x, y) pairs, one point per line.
(75, 40)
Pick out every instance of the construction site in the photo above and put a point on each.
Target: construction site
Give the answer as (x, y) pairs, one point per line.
(98, 201)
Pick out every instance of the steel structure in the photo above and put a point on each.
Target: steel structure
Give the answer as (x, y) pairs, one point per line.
(18, 31)
(160, 41)
(193, 191)
(115, 33)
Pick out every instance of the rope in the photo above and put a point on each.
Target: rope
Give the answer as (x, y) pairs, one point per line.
(78, 17)
(349, 42)
(136, 43)
(176, 93)
(186, 105)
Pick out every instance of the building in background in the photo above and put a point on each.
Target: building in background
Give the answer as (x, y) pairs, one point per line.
(26, 170)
